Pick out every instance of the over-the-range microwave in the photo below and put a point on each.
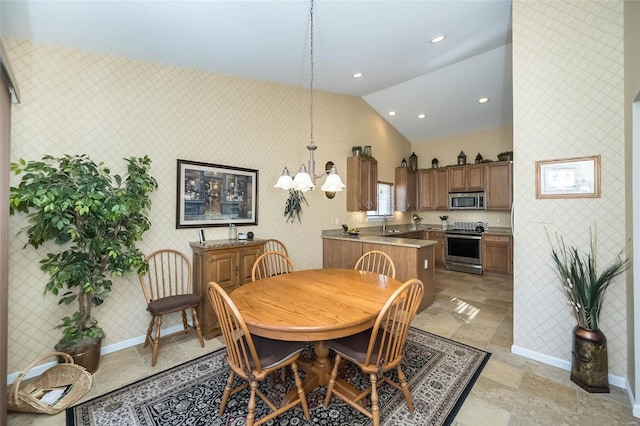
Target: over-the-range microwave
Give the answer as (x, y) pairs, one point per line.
(466, 201)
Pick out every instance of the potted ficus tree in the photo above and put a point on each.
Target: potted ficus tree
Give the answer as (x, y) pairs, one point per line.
(585, 289)
(95, 219)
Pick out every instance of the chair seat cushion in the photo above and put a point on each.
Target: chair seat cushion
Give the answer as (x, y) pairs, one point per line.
(355, 347)
(272, 352)
(170, 304)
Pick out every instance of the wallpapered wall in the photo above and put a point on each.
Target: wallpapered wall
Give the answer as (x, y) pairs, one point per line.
(112, 107)
(568, 102)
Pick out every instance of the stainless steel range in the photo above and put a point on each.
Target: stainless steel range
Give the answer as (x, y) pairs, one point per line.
(463, 247)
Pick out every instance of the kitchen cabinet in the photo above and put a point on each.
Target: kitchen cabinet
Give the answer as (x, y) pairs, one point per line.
(497, 254)
(433, 192)
(499, 185)
(362, 184)
(226, 262)
(466, 178)
(405, 189)
(438, 250)
(410, 261)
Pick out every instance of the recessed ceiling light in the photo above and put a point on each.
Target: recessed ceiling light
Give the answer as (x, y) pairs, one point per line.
(357, 75)
(422, 115)
(438, 39)
(483, 100)
(392, 113)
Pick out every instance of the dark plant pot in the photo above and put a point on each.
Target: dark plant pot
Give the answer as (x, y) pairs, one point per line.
(590, 366)
(505, 157)
(86, 354)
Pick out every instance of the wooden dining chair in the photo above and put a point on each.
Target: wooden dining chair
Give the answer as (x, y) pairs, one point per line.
(376, 261)
(167, 288)
(271, 263)
(379, 349)
(275, 245)
(253, 358)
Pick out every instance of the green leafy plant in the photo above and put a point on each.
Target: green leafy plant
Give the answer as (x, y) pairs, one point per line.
(581, 283)
(95, 217)
(293, 205)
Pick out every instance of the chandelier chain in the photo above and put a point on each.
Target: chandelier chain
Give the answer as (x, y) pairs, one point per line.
(312, 74)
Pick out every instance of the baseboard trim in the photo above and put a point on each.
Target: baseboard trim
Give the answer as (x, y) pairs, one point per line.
(617, 381)
(39, 369)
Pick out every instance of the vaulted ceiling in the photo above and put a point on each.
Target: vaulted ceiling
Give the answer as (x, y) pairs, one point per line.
(388, 41)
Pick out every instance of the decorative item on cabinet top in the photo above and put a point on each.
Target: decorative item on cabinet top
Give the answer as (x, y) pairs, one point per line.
(479, 158)
(403, 163)
(413, 161)
(356, 150)
(434, 163)
(462, 158)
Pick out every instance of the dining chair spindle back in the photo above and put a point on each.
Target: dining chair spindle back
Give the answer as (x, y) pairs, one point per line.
(271, 263)
(275, 245)
(253, 358)
(376, 261)
(379, 349)
(167, 289)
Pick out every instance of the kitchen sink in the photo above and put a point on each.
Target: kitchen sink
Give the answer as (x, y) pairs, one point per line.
(391, 231)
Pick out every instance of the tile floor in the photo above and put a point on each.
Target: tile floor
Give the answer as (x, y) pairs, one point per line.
(476, 310)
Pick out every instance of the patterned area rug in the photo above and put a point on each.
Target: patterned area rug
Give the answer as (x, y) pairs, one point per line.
(440, 374)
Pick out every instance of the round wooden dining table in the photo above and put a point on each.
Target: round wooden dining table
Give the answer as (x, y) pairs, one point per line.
(314, 305)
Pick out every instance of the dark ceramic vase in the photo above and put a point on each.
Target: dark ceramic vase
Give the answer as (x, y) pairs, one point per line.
(86, 355)
(590, 366)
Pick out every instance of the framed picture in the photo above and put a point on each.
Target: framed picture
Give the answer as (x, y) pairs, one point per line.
(577, 177)
(216, 195)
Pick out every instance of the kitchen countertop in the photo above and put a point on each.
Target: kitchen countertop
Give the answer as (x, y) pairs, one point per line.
(373, 234)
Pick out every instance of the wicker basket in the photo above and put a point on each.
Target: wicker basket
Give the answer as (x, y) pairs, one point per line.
(27, 399)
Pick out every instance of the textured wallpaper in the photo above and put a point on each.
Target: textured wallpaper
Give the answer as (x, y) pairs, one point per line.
(112, 107)
(568, 101)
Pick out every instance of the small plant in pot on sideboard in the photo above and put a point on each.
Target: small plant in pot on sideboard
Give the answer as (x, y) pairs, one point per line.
(96, 220)
(585, 290)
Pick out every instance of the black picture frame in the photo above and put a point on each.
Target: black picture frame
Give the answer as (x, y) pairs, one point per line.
(215, 195)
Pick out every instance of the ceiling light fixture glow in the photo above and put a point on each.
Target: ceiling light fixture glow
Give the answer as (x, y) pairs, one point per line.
(483, 100)
(357, 75)
(392, 113)
(438, 38)
(421, 116)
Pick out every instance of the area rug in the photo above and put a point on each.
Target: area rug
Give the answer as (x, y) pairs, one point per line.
(440, 374)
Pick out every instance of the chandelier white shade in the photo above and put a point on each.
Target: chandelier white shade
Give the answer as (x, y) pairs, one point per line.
(306, 177)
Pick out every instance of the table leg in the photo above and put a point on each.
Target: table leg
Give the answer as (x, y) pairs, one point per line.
(318, 374)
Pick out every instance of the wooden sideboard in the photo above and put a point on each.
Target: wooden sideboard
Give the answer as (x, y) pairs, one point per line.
(226, 262)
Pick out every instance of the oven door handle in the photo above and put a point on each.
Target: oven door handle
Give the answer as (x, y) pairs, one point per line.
(464, 237)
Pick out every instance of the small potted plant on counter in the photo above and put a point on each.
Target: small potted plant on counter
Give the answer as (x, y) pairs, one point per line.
(444, 221)
(416, 218)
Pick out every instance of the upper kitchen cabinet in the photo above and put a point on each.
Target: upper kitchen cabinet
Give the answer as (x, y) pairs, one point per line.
(433, 192)
(362, 184)
(499, 185)
(405, 187)
(466, 178)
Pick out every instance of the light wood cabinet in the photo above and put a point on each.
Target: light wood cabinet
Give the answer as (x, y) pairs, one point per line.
(433, 192)
(497, 254)
(466, 178)
(410, 262)
(362, 184)
(405, 189)
(227, 263)
(499, 185)
(438, 250)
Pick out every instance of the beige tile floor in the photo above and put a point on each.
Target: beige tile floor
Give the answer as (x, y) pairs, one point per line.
(476, 310)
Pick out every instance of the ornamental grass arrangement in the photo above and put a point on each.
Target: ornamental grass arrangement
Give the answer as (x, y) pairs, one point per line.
(580, 280)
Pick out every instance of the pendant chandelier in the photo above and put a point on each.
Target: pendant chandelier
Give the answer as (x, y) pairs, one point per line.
(306, 177)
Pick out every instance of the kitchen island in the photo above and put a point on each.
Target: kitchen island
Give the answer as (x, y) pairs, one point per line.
(413, 258)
